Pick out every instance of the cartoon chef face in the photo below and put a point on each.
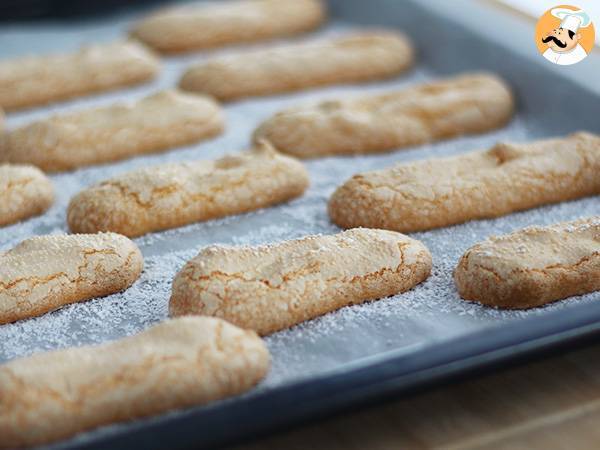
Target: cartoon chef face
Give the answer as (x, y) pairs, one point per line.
(564, 40)
(561, 40)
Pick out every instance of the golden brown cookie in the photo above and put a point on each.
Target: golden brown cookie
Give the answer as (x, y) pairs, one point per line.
(350, 59)
(99, 135)
(440, 192)
(173, 195)
(37, 80)
(532, 266)
(471, 103)
(24, 192)
(43, 273)
(272, 287)
(176, 364)
(205, 25)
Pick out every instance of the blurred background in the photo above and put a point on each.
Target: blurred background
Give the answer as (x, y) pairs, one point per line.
(36, 9)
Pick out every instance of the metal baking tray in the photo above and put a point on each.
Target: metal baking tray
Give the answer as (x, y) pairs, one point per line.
(359, 353)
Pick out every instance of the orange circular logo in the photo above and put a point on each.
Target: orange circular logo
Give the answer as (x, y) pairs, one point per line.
(565, 35)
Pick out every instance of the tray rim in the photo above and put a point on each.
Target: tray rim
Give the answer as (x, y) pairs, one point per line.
(396, 373)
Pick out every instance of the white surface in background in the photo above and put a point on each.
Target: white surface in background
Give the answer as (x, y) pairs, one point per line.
(535, 8)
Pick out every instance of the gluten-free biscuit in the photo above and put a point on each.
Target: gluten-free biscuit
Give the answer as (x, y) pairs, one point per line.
(353, 58)
(176, 364)
(24, 192)
(471, 103)
(439, 192)
(99, 135)
(173, 195)
(44, 273)
(271, 287)
(206, 25)
(37, 80)
(532, 266)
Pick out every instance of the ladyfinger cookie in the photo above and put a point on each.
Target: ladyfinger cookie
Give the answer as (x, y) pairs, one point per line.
(176, 364)
(272, 287)
(445, 191)
(354, 58)
(471, 103)
(155, 123)
(36, 80)
(24, 192)
(533, 266)
(205, 25)
(169, 196)
(44, 273)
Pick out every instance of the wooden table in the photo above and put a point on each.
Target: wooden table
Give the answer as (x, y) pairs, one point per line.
(548, 404)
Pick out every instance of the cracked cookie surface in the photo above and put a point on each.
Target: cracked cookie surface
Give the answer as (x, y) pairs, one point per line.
(44, 273)
(445, 191)
(37, 80)
(24, 192)
(173, 195)
(272, 287)
(471, 103)
(532, 266)
(176, 364)
(354, 58)
(99, 135)
(206, 25)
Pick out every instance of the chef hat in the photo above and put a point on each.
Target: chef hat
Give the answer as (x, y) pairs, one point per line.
(571, 23)
(571, 20)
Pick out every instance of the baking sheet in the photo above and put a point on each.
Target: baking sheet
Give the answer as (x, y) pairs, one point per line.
(404, 324)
